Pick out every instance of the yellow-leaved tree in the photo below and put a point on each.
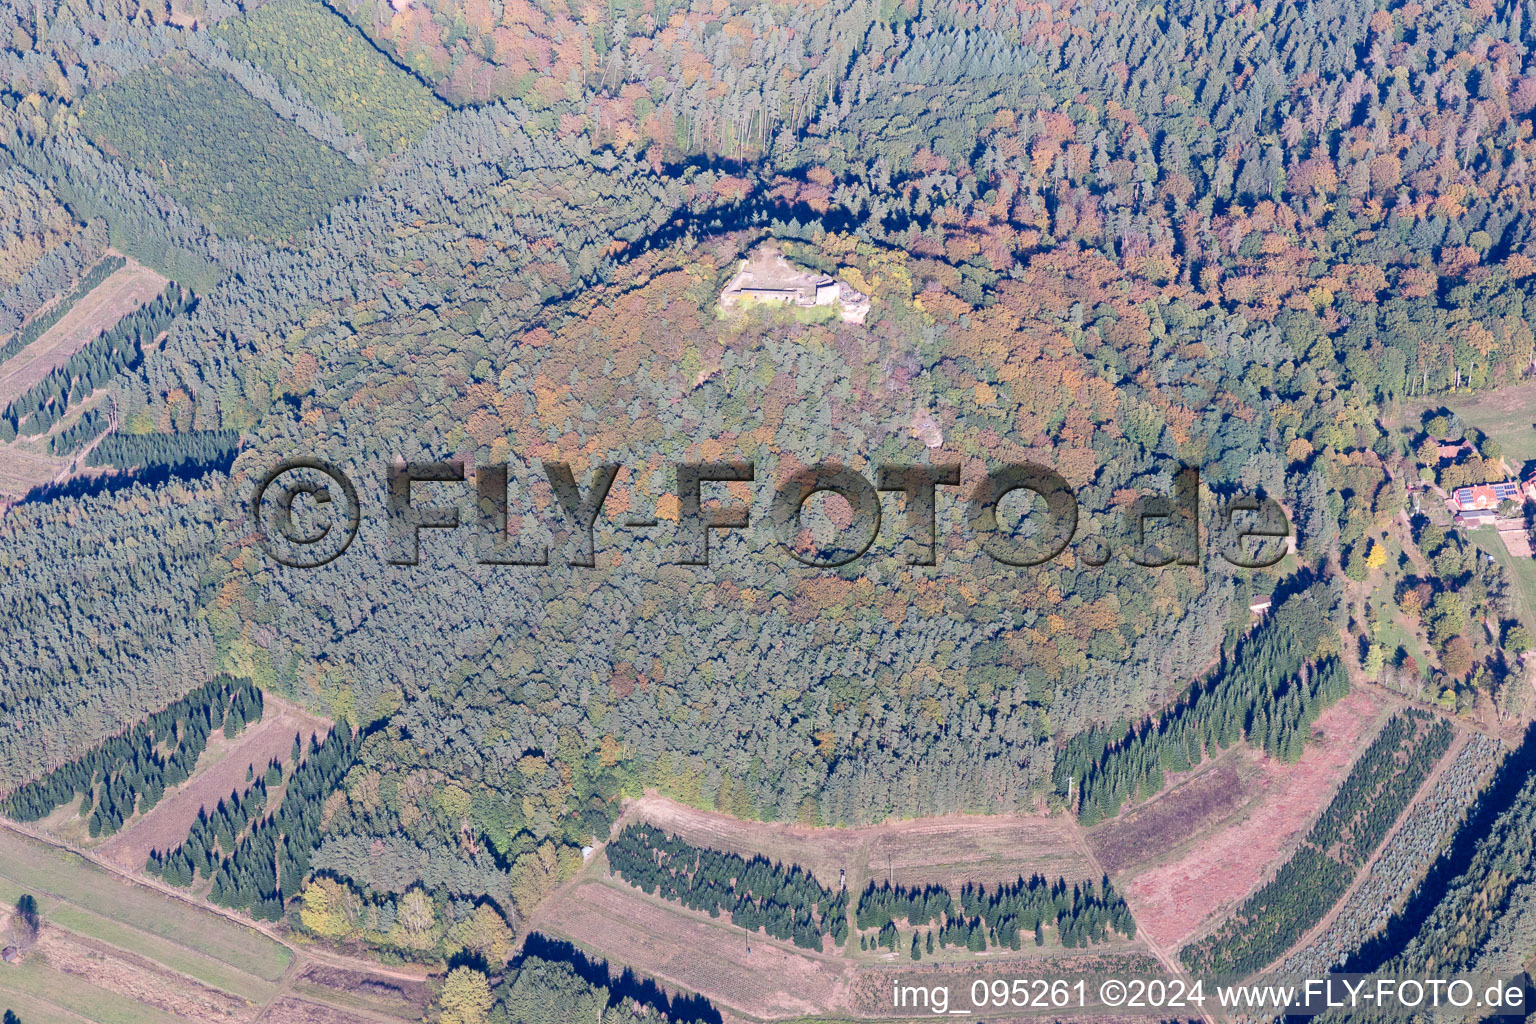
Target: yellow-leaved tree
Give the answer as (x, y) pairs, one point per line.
(486, 933)
(1377, 556)
(415, 924)
(466, 997)
(329, 908)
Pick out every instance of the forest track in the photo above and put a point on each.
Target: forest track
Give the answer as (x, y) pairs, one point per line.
(1169, 961)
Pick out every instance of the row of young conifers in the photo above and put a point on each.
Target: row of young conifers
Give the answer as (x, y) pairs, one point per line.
(1368, 802)
(237, 846)
(119, 348)
(251, 856)
(1453, 890)
(128, 774)
(1269, 694)
(114, 350)
(788, 903)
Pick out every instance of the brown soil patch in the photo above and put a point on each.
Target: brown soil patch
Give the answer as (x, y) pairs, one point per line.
(141, 980)
(413, 996)
(289, 1010)
(696, 953)
(21, 470)
(950, 850)
(167, 825)
(1189, 807)
(1210, 873)
(106, 304)
(1516, 542)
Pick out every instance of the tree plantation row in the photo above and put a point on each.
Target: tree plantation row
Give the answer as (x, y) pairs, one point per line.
(129, 773)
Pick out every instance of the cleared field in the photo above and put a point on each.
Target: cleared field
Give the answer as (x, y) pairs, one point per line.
(30, 866)
(26, 462)
(22, 470)
(699, 954)
(1207, 870)
(290, 1010)
(1196, 803)
(167, 825)
(762, 979)
(365, 991)
(140, 956)
(138, 979)
(107, 303)
(954, 851)
(1508, 415)
(36, 978)
(951, 850)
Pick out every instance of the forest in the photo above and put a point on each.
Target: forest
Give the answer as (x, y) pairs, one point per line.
(134, 451)
(1116, 240)
(310, 50)
(221, 152)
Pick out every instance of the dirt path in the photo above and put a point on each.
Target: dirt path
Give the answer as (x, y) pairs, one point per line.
(283, 989)
(120, 294)
(1168, 960)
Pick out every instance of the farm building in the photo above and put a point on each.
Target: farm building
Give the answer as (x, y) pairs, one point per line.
(1473, 518)
(1487, 496)
(10, 954)
(1452, 449)
(1260, 605)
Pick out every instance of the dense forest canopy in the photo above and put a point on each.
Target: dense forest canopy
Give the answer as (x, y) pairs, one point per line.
(1114, 239)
